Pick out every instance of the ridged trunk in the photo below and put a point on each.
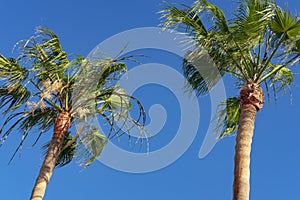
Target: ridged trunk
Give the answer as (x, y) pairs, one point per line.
(61, 126)
(251, 100)
(241, 185)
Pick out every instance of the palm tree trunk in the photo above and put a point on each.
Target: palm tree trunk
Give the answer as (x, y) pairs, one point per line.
(61, 126)
(251, 100)
(241, 185)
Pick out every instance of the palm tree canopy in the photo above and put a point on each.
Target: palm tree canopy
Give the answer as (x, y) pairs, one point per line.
(43, 81)
(258, 45)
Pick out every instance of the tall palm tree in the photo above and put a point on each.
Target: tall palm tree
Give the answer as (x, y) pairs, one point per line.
(257, 47)
(51, 91)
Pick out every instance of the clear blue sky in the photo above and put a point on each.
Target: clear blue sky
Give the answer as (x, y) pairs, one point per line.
(81, 25)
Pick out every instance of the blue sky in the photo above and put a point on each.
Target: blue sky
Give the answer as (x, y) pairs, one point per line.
(82, 25)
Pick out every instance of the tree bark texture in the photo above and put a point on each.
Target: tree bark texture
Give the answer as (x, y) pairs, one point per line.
(251, 101)
(61, 126)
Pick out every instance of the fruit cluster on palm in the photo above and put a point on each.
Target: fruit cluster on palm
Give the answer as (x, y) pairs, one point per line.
(258, 47)
(44, 89)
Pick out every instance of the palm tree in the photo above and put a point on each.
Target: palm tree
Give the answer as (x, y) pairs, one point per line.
(52, 91)
(257, 47)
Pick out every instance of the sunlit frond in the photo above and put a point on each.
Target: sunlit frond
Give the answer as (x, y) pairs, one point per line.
(13, 96)
(250, 23)
(45, 53)
(184, 19)
(12, 93)
(218, 17)
(11, 71)
(283, 23)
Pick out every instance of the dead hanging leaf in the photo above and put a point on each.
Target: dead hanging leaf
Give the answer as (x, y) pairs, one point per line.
(82, 113)
(32, 106)
(46, 83)
(42, 105)
(46, 94)
(52, 87)
(80, 129)
(56, 86)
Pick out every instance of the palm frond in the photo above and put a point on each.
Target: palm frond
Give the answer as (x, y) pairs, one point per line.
(228, 117)
(13, 96)
(11, 71)
(90, 145)
(41, 118)
(45, 53)
(282, 79)
(283, 23)
(218, 17)
(111, 72)
(13, 120)
(12, 93)
(95, 77)
(201, 74)
(183, 19)
(250, 23)
(217, 42)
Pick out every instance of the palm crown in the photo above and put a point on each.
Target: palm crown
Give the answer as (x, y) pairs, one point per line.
(50, 84)
(259, 45)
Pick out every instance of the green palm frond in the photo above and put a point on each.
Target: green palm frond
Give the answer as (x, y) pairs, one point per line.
(13, 96)
(284, 24)
(250, 22)
(41, 118)
(46, 54)
(11, 71)
(90, 145)
(201, 74)
(111, 72)
(115, 109)
(218, 17)
(96, 77)
(97, 94)
(282, 79)
(242, 47)
(295, 46)
(286, 29)
(217, 42)
(117, 99)
(188, 19)
(12, 93)
(228, 117)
